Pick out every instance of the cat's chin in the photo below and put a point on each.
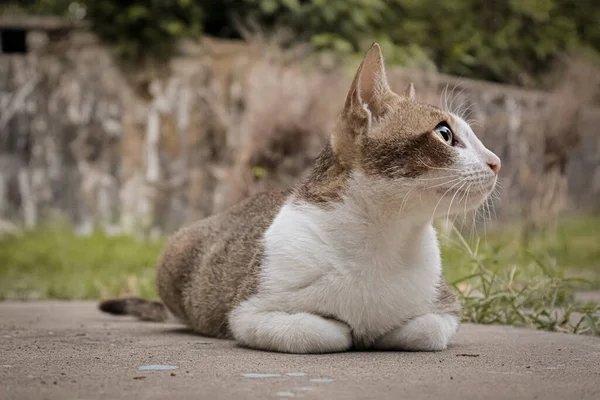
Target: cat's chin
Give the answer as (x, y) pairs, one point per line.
(463, 199)
(468, 191)
(456, 209)
(477, 200)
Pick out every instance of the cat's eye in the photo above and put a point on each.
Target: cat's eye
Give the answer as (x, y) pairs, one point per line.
(445, 132)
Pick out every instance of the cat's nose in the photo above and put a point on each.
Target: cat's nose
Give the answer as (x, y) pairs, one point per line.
(495, 166)
(493, 161)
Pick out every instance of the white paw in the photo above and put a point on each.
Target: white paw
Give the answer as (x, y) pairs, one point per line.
(429, 332)
(289, 333)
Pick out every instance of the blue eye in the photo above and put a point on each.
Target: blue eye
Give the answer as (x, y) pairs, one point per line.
(445, 132)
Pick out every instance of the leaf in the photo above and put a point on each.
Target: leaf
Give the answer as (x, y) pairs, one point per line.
(463, 279)
(269, 6)
(173, 27)
(292, 5)
(539, 263)
(591, 322)
(137, 12)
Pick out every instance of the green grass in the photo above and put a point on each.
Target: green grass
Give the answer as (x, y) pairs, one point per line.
(572, 252)
(500, 280)
(503, 281)
(55, 263)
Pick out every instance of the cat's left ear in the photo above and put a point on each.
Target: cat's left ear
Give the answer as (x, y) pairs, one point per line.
(370, 88)
(410, 91)
(365, 104)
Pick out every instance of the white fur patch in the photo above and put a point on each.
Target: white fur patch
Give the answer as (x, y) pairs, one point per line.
(299, 332)
(373, 276)
(429, 332)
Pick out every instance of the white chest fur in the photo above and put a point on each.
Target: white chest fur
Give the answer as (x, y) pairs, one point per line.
(371, 273)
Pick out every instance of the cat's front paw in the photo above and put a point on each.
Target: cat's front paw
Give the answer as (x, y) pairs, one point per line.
(429, 332)
(288, 332)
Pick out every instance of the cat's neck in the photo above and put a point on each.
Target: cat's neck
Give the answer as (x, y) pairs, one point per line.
(391, 220)
(326, 182)
(331, 183)
(360, 209)
(362, 222)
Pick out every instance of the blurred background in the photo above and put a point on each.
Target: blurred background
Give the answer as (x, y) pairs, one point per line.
(122, 120)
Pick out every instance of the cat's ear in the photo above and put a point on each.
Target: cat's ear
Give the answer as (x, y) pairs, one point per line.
(369, 88)
(365, 104)
(410, 91)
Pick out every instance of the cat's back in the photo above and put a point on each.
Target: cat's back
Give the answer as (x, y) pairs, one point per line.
(211, 265)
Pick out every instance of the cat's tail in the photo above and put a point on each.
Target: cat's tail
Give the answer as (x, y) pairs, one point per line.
(144, 310)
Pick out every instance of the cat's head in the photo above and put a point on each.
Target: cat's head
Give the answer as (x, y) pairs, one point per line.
(412, 152)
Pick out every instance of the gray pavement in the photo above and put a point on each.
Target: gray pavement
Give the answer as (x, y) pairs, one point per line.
(69, 350)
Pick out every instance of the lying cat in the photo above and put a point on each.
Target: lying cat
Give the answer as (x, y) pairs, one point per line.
(347, 259)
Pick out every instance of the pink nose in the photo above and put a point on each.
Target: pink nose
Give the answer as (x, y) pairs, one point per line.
(495, 166)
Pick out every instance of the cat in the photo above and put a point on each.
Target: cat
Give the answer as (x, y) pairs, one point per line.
(349, 257)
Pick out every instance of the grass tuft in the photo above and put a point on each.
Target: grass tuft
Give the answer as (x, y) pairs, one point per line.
(533, 293)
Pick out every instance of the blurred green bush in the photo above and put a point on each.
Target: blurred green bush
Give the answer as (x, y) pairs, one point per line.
(139, 29)
(512, 41)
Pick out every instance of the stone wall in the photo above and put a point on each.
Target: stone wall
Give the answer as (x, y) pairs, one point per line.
(148, 150)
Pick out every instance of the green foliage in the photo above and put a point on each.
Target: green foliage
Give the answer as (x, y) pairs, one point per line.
(512, 41)
(571, 251)
(137, 29)
(505, 40)
(41, 7)
(145, 29)
(491, 40)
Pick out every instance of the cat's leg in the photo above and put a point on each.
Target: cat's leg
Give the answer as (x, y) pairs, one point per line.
(259, 328)
(428, 332)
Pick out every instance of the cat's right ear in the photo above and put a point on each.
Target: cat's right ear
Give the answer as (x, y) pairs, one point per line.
(409, 93)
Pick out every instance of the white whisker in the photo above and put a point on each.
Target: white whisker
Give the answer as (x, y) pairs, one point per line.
(405, 199)
(452, 200)
(431, 179)
(445, 96)
(453, 96)
(466, 202)
(438, 168)
(466, 197)
(444, 183)
(443, 195)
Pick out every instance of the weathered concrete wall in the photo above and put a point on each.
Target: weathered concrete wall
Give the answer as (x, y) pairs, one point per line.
(139, 152)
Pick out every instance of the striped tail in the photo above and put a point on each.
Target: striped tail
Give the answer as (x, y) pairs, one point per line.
(144, 310)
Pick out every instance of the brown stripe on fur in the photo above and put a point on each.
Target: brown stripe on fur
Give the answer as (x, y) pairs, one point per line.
(326, 183)
(447, 299)
(407, 156)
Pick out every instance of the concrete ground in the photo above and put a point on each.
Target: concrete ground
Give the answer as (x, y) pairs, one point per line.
(56, 350)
